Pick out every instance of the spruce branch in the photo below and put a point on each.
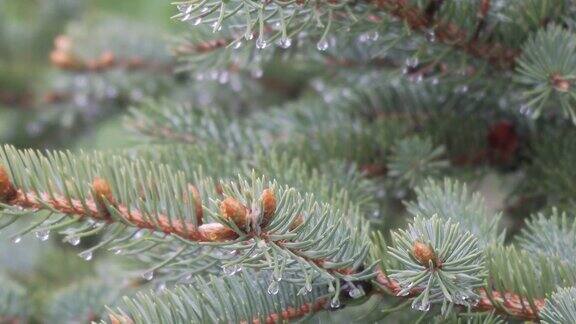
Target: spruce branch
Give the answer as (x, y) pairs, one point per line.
(449, 33)
(560, 307)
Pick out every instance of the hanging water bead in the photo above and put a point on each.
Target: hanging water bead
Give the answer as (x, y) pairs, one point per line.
(73, 240)
(116, 250)
(356, 293)
(420, 305)
(148, 275)
(273, 288)
(261, 43)
(431, 36)
(230, 270)
(86, 255)
(197, 22)
(17, 239)
(412, 62)
(335, 303)
(285, 42)
(322, 45)
(42, 234)
(216, 27)
(237, 44)
(302, 291)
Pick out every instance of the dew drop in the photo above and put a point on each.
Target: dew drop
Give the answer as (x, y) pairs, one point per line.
(302, 291)
(42, 234)
(308, 286)
(434, 81)
(273, 288)
(335, 303)
(412, 62)
(148, 275)
(285, 43)
(74, 240)
(197, 22)
(16, 239)
(356, 293)
(261, 43)
(420, 305)
(230, 270)
(161, 287)
(249, 36)
(216, 27)
(86, 255)
(116, 250)
(322, 45)
(237, 45)
(431, 36)
(257, 73)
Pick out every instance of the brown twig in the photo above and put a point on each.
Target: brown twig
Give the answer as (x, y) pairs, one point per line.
(507, 303)
(448, 33)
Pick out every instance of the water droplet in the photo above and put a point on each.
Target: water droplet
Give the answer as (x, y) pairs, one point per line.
(42, 234)
(197, 22)
(237, 44)
(249, 36)
(356, 293)
(17, 239)
(308, 286)
(148, 275)
(335, 303)
(434, 81)
(116, 250)
(273, 288)
(420, 305)
(285, 43)
(204, 10)
(412, 62)
(74, 240)
(302, 291)
(216, 27)
(373, 35)
(322, 45)
(431, 36)
(161, 287)
(331, 288)
(86, 255)
(461, 89)
(230, 270)
(256, 72)
(261, 43)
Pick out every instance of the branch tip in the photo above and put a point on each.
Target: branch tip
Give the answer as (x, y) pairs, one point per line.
(232, 209)
(7, 190)
(268, 204)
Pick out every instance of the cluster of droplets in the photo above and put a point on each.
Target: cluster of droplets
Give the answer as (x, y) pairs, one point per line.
(421, 305)
(148, 275)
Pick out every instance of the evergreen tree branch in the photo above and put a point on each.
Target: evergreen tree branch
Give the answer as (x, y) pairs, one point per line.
(497, 54)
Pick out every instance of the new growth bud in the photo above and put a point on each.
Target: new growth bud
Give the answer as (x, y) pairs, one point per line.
(424, 253)
(232, 209)
(268, 199)
(7, 190)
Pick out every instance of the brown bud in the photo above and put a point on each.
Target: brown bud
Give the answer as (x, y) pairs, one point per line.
(424, 253)
(297, 222)
(268, 199)
(120, 319)
(107, 59)
(65, 60)
(232, 209)
(63, 43)
(560, 83)
(199, 211)
(216, 232)
(7, 190)
(102, 190)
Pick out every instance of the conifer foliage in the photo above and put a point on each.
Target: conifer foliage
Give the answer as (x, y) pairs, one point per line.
(302, 160)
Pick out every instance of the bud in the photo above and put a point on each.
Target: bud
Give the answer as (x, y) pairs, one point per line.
(197, 204)
(63, 43)
(65, 60)
(560, 83)
(7, 190)
(216, 232)
(121, 319)
(102, 191)
(297, 222)
(424, 253)
(268, 199)
(232, 209)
